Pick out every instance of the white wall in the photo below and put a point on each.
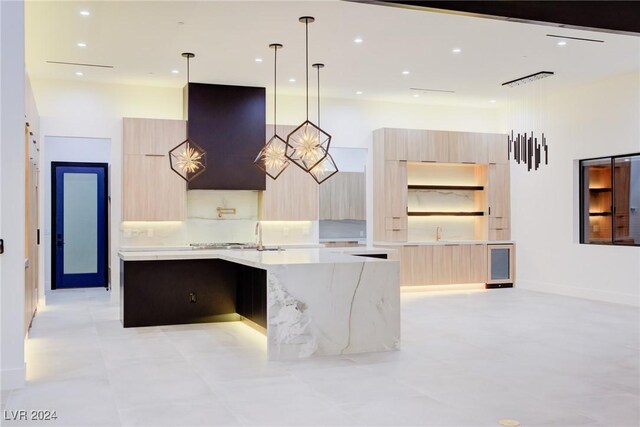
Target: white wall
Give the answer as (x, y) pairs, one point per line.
(68, 149)
(594, 120)
(90, 110)
(12, 198)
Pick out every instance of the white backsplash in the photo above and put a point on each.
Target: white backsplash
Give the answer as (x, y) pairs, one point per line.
(204, 224)
(422, 229)
(290, 232)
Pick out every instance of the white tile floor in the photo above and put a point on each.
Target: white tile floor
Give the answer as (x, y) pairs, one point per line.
(467, 359)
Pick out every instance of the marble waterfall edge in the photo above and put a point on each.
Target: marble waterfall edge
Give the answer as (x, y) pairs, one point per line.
(332, 309)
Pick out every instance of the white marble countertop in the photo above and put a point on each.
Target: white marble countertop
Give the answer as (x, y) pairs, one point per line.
(446, 242)
(263, 259)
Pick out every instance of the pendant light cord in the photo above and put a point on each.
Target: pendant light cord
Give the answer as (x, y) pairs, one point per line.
(275, 89)
(306, 27)
(318, 96)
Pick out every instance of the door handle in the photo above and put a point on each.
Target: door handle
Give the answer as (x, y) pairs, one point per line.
(59, 242)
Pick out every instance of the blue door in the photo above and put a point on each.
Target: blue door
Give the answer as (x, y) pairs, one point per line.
(79, 225)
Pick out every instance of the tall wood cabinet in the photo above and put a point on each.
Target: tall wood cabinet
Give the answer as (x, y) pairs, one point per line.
(291, 197)
(498, 202)
(151, 191)
(390, 186)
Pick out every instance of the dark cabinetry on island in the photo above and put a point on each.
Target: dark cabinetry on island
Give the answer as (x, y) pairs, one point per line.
(190, 291)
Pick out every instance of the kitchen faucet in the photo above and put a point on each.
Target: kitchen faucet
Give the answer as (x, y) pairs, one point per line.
(438, 233)
(259, 246)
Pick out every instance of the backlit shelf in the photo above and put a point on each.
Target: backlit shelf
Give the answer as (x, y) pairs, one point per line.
(433, 213)
(447, 187)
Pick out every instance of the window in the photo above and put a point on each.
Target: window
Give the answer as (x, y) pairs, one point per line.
(610, 200)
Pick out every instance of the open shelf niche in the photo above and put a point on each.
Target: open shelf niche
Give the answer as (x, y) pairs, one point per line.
(600, 201)
(449, 196)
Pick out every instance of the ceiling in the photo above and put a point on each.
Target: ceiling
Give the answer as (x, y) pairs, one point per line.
(143, 41)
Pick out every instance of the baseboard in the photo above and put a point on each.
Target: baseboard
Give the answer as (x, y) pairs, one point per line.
(13, 378)
(578, 292)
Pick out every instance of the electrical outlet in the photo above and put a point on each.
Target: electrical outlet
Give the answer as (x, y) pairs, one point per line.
(150, 232)
(285, 231)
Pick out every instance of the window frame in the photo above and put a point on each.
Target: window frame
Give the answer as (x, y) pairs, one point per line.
(613, 195)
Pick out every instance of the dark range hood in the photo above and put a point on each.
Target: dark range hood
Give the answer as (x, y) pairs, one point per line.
(229, 123)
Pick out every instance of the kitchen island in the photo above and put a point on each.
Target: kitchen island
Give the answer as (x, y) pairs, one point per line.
(309, 302)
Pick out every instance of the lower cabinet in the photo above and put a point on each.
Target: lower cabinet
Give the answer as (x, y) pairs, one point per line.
(447, 264)
(190, 291)
(456, 264)
(251, 294)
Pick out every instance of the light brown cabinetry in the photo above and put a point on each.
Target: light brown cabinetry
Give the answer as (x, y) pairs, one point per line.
(423, 265)
(497, 149)
(427, 145)
(291, 197)
(390, 185)
(498, 202)
(467, 147)
(151, 191)
(396, 150)
(343, 197)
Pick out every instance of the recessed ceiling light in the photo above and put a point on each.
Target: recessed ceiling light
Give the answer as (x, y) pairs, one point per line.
(456, 50)
(81, 44)
(292, 80)
(357, 40)
(175, 71)
(416, 95)
(85, 13)
(359, 92)
(562, 43)
(493, 101)
(79, 73)
(405, 72)
(258, 59)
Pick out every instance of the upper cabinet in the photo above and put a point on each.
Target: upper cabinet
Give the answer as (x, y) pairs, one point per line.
(415, 145)
(427, 145)
(151, 191)
(496, 147)
(467, 147)
(229, 123)
(342, 197)
(291, 197)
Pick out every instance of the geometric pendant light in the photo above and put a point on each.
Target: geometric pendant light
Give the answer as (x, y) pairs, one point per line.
(308, 144)
(326, 168)
(271, 159)
(188, 159)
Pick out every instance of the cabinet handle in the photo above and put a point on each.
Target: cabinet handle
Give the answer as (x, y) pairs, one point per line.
(489, 210)
(155, 155)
